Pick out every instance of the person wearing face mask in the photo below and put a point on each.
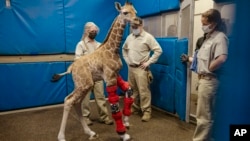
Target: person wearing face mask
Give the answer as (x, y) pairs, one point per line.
(87, 45)
(136, 53)
(210, 58)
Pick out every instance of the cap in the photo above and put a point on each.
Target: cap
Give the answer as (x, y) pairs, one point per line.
(136, 22)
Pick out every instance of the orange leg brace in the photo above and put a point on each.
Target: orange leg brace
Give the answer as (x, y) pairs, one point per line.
(113, 99)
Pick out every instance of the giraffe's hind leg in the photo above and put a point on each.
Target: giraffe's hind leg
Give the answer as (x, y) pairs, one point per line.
(75, 99)
(66, 110)
(86, 128)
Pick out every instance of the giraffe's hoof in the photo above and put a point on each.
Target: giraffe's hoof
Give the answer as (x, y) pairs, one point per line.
(126, 137)
(127, 127)
(130, 139)
(126, 124)
(94, 137)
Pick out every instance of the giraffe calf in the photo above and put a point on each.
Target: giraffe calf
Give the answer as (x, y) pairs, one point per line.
(103, 64)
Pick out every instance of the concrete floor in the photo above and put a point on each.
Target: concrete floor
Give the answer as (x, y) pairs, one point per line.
(43, 124)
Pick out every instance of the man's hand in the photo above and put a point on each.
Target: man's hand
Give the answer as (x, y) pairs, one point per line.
(144, 65)
(184, 58)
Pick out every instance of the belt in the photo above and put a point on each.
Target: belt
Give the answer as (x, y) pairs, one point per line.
(206, 76)
(134, 66)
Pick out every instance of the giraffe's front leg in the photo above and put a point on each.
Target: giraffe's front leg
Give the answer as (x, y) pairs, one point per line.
(113, 99)
(128, 100)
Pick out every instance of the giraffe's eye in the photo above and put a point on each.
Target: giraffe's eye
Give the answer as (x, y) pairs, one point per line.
(125, 13)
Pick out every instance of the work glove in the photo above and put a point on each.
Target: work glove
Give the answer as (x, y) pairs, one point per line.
(184, 58)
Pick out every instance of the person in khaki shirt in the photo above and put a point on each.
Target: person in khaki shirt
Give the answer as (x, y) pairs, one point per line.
(136, 53)
(87, 45)
(210, 59)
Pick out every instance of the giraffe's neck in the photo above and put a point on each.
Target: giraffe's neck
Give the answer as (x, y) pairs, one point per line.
(114, 37)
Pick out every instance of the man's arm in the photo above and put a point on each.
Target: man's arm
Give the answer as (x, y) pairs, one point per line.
(156, 48)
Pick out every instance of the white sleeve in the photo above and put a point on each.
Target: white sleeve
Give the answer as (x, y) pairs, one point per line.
(79, 50)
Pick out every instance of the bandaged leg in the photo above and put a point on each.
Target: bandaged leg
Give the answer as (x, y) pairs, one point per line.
(128, 100)
(122, 84)
(113, 99)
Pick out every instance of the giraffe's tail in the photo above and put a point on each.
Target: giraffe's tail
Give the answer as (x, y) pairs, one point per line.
(57, 77)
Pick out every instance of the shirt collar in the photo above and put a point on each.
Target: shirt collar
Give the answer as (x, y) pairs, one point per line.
(212, 35)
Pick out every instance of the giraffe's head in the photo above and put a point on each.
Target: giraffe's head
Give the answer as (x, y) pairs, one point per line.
(127, 12)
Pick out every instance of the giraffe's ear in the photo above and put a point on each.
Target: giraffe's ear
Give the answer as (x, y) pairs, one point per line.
(118, 6)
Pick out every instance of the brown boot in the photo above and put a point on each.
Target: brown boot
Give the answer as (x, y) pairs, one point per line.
(107, 121)
(146, 117)
(135, 110)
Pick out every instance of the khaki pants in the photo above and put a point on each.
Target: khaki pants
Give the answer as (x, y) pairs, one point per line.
(138, 80)
(205, 107)
(98, 91)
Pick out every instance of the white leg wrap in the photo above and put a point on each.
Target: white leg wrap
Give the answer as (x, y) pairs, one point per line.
(126, 121)
(125, 137)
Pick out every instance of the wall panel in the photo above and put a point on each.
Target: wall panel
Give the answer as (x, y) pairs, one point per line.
(26, 85)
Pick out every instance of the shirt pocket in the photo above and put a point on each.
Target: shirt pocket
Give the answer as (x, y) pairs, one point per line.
(204, 52)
